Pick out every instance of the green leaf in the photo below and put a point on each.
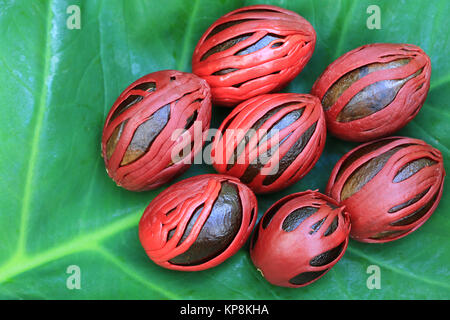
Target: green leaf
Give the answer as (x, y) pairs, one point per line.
(59, 208)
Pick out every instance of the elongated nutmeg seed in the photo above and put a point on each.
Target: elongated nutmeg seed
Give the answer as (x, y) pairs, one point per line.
(374, 90)
(389, 186)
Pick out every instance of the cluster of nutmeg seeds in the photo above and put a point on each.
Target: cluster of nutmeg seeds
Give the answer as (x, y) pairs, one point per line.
(380, 191)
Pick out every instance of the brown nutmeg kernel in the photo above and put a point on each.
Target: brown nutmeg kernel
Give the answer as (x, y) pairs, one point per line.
(201, 228)
(300, 238)
(138, 141)
(374, 90)
(218, 231)
(389, 186)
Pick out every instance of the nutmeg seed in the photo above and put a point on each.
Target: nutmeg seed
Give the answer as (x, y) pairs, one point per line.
(389, 186)
(198, 222)
(300, 238)
(271, 141)
(374, 90)
(137, 139)
(251, 51)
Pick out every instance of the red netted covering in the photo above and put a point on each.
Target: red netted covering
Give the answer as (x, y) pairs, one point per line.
(300, 238)
(389, 186)
(374, 90)
(138, 141)
(271, 141)
(251, 51)
(189, 226)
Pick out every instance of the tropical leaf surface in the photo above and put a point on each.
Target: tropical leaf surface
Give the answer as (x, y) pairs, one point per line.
(59, 208)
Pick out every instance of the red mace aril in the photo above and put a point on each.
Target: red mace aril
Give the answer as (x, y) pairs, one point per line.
(390, 187)
(149, 133)
(300, 238)
(198, 222)
(252, 51)
(271, 141)
(374, 90)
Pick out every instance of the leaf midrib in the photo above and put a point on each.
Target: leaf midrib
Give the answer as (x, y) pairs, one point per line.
(41, 103)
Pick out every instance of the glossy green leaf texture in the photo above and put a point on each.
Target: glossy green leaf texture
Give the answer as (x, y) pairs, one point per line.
(59, 208)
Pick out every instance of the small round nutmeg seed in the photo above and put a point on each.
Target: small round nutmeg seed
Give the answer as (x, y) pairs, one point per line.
(374, 90)
(138, 136)
(251, 51)
(300, 238)
(271, 141)
(198, 222)
(390, 187)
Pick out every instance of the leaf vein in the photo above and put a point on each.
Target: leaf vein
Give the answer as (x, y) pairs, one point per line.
(20, 264)
(27, 192)
(132, 273)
